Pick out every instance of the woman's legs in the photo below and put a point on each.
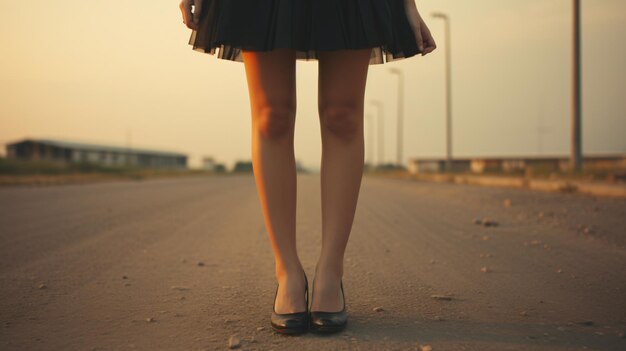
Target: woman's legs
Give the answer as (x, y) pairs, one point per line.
(342, 81)
(272, 91)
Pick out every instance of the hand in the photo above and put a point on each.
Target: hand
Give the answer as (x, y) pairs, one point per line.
(425, 41)
(191, 19)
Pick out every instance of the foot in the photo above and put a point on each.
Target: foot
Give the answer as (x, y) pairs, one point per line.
(326, 293)
(290, 297)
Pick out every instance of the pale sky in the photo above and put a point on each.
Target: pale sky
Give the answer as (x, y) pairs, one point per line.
(94, 70)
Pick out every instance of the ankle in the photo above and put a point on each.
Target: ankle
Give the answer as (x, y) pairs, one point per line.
(331, 268)
(293, 271)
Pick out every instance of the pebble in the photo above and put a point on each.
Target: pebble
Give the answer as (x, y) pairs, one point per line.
(441, 297)
(534, 242)
(180, 288)
(484, 269)
(260, 328)
(149, 319)
(42, 286)
(488, 222)
(559, 270)
(485, 237)
(506, 203)
(124, 277)
(378, 309)
(200, 264)
(425, 348)
(233, 342)
(524, 313)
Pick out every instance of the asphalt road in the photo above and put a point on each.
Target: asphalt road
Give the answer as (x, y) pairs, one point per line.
(184, 264)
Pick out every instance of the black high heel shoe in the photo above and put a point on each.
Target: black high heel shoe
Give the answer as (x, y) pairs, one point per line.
(330, 322)
(292, 323)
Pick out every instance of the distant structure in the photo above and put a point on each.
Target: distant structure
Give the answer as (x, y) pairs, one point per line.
(516, 164)
(246, 167)
(243, 166)
(209, 164)
(300, 167)
(107, 155)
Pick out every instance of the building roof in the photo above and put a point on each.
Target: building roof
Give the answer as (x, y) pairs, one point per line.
(79, 145)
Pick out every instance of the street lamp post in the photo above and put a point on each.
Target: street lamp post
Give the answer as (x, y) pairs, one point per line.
(381, 129)
(576, 148)
(400, 74)
(446, 20)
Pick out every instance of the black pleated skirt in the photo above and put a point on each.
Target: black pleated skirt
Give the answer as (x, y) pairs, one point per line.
(309, 26)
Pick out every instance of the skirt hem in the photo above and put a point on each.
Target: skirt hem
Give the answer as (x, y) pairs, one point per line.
(227, 52)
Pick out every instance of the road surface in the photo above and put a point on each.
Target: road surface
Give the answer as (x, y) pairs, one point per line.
(185, 264)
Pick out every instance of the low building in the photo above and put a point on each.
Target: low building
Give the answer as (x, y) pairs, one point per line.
(483, 165)
(243, 166)
(433, 165)
(208, 164)
(518, 164)
(106, 155)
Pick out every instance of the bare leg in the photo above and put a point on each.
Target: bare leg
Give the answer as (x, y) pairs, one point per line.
(342, 81)
(271, 86)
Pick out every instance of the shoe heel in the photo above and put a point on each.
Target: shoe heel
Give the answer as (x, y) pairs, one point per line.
(291, 323)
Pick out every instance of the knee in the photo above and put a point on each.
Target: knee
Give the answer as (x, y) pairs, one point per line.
(274, 122)
(342, 120)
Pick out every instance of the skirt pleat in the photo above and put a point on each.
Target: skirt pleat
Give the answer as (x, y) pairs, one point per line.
(227, 27)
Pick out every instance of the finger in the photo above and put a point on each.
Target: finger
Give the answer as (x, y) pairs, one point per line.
(430, 45)
(419, 40)
(185, 11)
(185, 7)
(197, 11)
(428, 41)
(428, 50)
